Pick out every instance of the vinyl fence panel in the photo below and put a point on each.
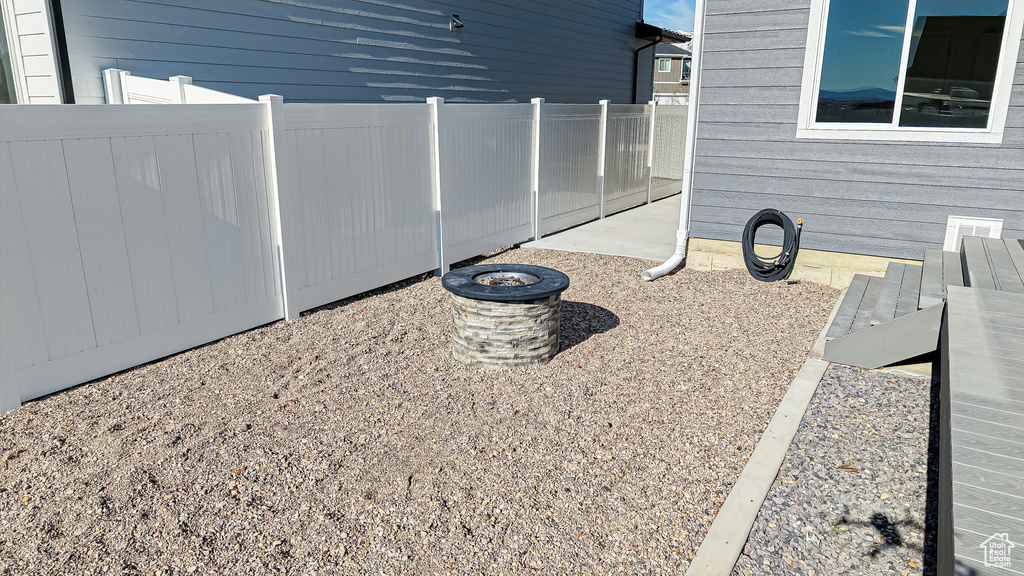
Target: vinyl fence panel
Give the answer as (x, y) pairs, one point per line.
(127, 234)
(569, 153)
(485, 154)
(359, 196)
(669, 151)
(626, 171)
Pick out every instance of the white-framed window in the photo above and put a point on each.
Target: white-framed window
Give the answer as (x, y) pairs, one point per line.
(912, 70)
(664, 64)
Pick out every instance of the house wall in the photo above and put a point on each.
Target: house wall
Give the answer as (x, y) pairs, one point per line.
(674, 73)
(362, 50)
(865, 197)
(32, 51)
(667, 83)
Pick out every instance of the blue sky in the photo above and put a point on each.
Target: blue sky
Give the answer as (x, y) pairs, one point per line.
(670, 14)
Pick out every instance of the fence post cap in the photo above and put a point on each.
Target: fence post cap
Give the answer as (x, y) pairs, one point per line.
(271, 98)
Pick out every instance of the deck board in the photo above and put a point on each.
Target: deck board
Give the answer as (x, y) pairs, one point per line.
(1016, 251)
(977, 267)
(867, 305)
(984, 378)
(932, 289)
(843, 321)
(910, 290)
(1003, 269)
(952, 271)
(888, 296)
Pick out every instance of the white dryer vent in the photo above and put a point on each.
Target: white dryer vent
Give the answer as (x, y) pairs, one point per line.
(959, 226)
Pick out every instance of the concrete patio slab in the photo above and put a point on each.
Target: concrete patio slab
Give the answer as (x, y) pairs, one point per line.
(647, 231)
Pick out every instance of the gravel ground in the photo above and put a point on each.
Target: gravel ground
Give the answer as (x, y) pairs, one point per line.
(351, 441)
(851, 495)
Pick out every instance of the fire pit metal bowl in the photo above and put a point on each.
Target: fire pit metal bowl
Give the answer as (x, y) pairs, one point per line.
(505, 315)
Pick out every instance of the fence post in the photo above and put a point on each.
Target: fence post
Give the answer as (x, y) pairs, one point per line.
(602, 149)
(436, 120)
(115, 84)
(538, 116)
(650, 147)
(180, 81)
(282, 209)
(112, 86)
(10, 397)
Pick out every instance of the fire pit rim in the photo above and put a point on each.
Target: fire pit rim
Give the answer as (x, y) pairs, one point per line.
(461, 283)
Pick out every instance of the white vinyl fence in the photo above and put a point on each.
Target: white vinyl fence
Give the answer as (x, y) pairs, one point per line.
(570, 145)
(120, 87)
(128, 233)
(485, 174)
(668, 151)
(357, 209)
(627, 153)
(126, 236)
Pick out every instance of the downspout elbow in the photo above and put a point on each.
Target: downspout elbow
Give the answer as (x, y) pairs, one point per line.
(669, 265)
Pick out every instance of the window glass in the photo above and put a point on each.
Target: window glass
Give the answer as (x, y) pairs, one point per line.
(664, 65)
(860, 65)
(7, 94)
(951, 70)
(686, 69)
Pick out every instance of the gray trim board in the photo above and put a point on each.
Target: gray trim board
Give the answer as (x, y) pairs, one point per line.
(893, 341)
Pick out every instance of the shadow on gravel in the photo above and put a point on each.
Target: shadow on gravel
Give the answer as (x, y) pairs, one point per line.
(886, 528)
(889, 529)
(581, 321)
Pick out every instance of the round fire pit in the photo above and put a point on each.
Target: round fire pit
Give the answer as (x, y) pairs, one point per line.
(505, 315)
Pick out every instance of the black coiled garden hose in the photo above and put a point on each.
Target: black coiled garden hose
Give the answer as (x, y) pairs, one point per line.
(781, 266)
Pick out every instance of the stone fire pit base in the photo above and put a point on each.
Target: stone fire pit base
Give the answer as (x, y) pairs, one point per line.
(489, 334)
(505, 315)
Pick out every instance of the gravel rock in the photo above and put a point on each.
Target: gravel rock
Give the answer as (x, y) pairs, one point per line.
(851, 495)
(351, 440)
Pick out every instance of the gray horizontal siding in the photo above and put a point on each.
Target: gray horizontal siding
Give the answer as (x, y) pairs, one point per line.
(866, 197)
(362, 50)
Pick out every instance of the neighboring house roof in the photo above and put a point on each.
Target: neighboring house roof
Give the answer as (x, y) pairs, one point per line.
(672, 50)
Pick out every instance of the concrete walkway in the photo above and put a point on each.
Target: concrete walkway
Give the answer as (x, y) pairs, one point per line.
(647, 231)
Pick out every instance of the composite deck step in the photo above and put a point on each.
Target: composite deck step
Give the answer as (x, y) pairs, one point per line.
(1015, 248)
(862, 319)
(989, 264)
(940, 269)
(883, 320)
(843, 321)
(899, 293)
(857, 306)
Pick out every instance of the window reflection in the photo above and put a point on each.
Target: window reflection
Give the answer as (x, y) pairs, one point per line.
(951, 70)
(861, 61)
